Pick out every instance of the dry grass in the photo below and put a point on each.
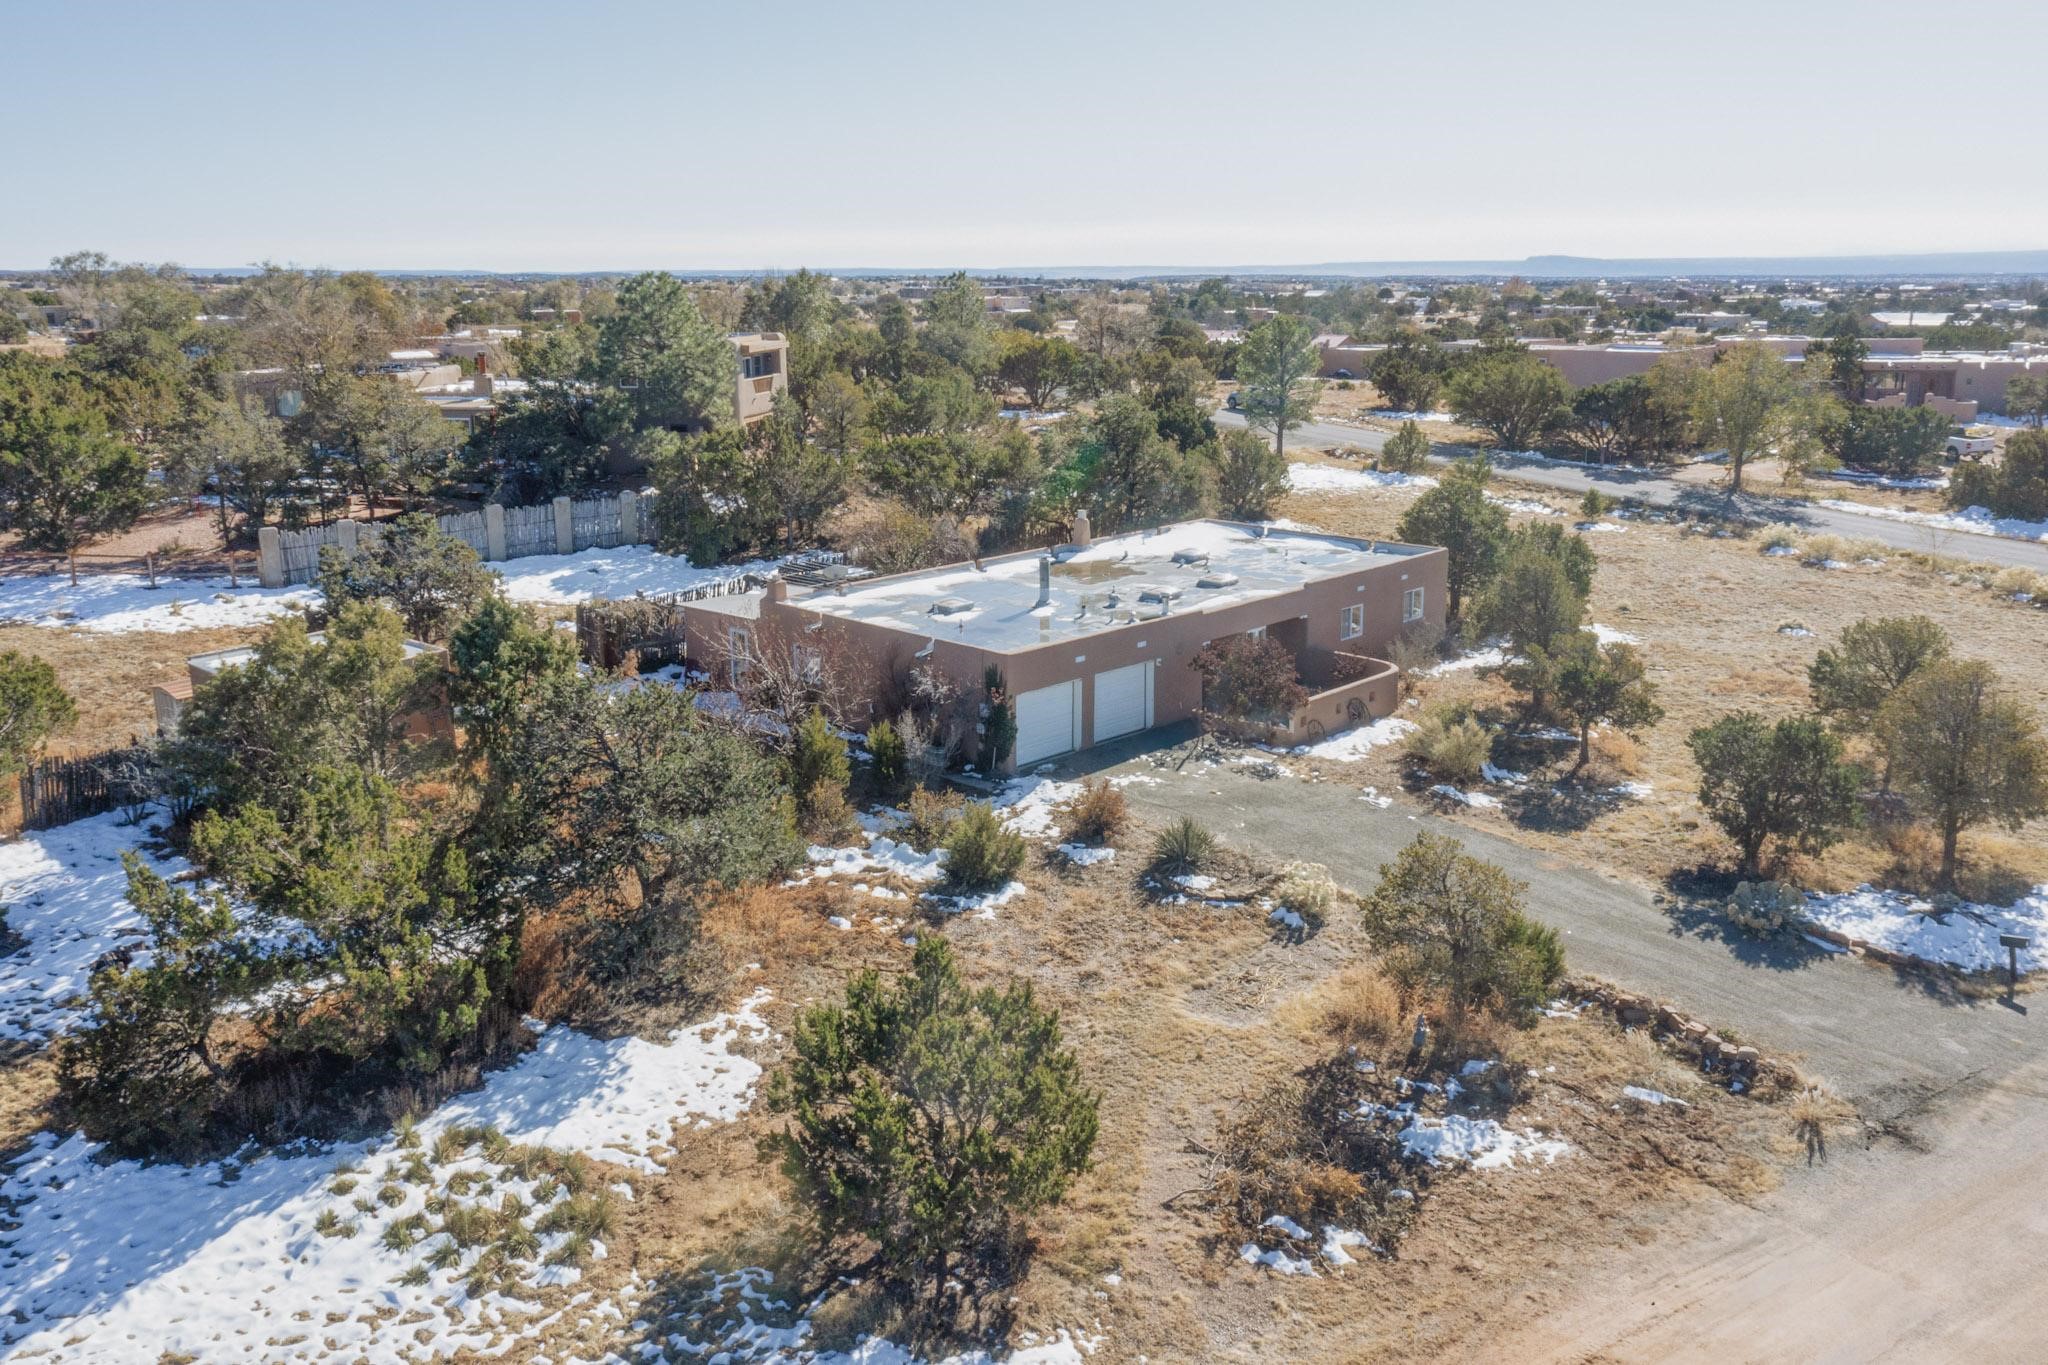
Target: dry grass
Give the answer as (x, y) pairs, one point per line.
(109, 675)
(1708, 611)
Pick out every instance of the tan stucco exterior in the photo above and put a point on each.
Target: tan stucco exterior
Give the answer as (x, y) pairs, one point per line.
(754, 396)
(1308, 618)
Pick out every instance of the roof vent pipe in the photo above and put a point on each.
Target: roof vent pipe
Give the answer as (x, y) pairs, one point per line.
(1082, 532)
(1045, 580)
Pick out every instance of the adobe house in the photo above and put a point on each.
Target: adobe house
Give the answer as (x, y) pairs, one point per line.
(170, 699)
(1095, 640)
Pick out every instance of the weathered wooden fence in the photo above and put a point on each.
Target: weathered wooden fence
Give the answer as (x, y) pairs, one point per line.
(57, 791)
(563, 526)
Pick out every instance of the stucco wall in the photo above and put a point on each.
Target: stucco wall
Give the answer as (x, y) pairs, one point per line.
(880, 655)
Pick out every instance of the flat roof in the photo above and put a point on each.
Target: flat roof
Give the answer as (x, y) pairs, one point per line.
(1118, 582)
(238, 655)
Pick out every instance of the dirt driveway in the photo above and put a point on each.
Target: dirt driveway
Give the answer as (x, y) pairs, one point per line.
(1925, 1237)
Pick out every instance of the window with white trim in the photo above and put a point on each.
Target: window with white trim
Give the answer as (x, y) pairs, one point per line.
(1411, 605)
(1354, 621)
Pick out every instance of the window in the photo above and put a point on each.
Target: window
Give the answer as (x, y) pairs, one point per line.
(808, 663)
(1255, 633)
(739, 650)
(1354, 621)
(757, 366)
(1411, 605)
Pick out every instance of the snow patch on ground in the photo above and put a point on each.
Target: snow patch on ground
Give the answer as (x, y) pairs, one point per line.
(121, 1262)
(619, 1099)
(1483, 1144)
(1858, 476)
(121, 602)
(737, 1316)
(1529, 505)
(1081, 855)
(1644, 1095)
(883, 855)
(1608, 635)
(1403, 415)
(1976, 521)
(118, 603)
(1030, 805)
(1965, 937)
(1596, 527)
(1492, 656)
(1323, 478)
(1277, 1260)
(1476, 800)
(65, 892)
(1348, 745)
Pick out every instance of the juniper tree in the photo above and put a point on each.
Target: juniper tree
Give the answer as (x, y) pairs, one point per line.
(1456, 924)
(1966, 751)
(928, 1118)
(1782, 785)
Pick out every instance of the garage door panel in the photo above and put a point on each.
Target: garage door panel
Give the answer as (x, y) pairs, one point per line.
(1048, 722)
(1123, 701)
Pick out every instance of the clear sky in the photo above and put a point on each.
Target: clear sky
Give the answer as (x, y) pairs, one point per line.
(608, 134)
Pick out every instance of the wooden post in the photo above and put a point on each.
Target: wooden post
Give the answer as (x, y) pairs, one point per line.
(74, 568)
(149, 563)
(565, 527)
(233, 580)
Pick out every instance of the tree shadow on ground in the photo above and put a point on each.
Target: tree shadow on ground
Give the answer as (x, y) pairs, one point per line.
(783, 1300)
(1561, 808)
(1694, 909)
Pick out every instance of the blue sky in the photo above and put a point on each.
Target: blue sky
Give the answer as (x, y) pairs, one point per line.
(615, 134)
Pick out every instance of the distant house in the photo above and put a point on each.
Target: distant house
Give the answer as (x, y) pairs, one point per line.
(1716, 321)
(764, 372)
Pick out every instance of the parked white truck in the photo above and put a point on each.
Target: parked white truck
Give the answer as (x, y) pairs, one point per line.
(1962, 444)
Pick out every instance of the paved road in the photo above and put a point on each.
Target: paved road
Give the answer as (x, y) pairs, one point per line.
(1926, 1238)
(1658, 491)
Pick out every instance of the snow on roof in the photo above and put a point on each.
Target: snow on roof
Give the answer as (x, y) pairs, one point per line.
(1119, 581)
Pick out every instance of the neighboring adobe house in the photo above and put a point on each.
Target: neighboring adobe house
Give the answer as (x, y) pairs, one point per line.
(764, 372)
(170, 699)
(1095, 640)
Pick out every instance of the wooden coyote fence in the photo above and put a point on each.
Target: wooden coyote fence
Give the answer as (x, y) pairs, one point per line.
(561, 527)
(57, 791)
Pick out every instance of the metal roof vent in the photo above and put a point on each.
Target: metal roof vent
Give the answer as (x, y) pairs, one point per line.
(1190, 556)
(949, 606)
(1221, 578)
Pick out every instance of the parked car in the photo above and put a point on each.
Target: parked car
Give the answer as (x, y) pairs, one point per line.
(1962, 445)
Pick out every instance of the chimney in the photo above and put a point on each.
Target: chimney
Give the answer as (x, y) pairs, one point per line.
(1045, 580)
(484, 386)
(1081, 531)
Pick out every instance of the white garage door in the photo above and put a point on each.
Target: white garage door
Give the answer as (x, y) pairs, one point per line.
(1123, 701)
(1048, 722)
